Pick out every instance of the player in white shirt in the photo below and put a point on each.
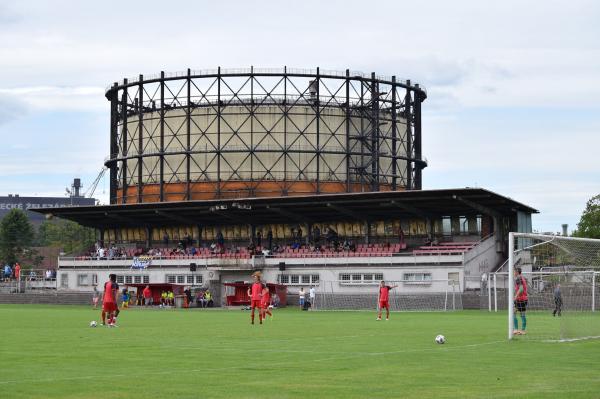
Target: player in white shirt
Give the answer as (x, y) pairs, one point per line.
(312, 296)
(301, 297)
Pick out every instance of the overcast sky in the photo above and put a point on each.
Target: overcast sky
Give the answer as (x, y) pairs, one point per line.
(513, 87)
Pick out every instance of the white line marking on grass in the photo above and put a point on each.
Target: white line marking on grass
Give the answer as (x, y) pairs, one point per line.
(571, 339)
(219, 369)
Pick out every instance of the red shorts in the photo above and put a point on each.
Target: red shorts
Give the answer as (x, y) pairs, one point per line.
(109, 307)
(384, 304)
(255, 303)
(264, 305)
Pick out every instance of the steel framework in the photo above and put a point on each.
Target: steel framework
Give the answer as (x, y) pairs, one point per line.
(262, 132)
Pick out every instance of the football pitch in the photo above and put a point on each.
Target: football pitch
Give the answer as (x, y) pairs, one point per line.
(51, 352)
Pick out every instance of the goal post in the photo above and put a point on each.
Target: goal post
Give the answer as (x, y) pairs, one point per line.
(561, 276)
(427, 296)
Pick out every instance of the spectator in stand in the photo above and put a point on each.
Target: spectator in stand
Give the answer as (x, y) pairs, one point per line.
(193, 251)
(48, 274)
(251, 248)
(147, 296)
(331, 236)
(352, 246)
(270, 239)
(299, 235)
(401, 236)
(17, 271)
(346, 245)
(259, 239)
(220, 239)
(7, 272)
(166, 240)
(316, 235)
(188, 240)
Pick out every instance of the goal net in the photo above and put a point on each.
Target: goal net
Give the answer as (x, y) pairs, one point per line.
(560, 276)
(429, 295)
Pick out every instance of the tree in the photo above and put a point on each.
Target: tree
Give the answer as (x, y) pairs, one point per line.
(71, 237)
(16, 236)
(589, 225)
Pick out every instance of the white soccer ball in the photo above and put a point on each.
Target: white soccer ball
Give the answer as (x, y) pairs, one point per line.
(440, 339)
(93, 323)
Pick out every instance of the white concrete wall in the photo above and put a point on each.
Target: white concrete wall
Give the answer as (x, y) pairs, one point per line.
(229, 270)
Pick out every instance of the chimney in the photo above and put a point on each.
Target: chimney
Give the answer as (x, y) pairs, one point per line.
(76, 187)
(565, 227)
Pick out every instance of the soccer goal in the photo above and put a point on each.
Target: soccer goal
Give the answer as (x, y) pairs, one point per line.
(560, 276)
(427, 295)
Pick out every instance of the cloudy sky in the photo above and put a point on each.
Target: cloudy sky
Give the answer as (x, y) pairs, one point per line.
(513, 86)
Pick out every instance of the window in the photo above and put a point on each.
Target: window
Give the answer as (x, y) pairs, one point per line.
(120, 279)
(417, 278)
(298, 279)
(199, 279)
(94, 279)
(137, 279)
(361, 278)
(82, 280)
(128, 279)
(180, 279)
(190, 279)
(146, 279)
(171, 279)
(453, 278)
(64, 280)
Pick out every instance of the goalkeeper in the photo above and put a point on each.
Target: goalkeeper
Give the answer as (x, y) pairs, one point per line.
(520, 303)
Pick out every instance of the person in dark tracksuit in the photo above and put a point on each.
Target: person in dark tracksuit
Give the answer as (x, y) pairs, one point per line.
(557, 301)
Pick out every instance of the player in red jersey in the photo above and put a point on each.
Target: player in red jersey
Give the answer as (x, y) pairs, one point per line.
(254, 292)
(384, 296)
(265, 302)
(109, 300)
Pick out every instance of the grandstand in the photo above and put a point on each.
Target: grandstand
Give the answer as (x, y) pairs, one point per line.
(313, 177)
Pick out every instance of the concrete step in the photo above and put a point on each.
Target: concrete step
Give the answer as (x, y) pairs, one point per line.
(53, 298)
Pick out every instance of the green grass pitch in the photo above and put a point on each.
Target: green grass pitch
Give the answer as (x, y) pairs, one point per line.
(51, 352)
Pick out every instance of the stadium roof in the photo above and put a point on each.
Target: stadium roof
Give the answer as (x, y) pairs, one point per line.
(296, 209)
